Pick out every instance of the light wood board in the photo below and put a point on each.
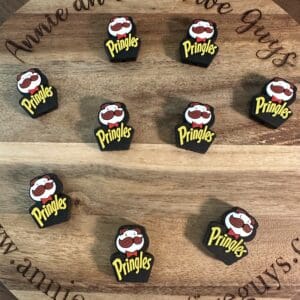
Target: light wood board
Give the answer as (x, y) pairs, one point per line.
(174, 193)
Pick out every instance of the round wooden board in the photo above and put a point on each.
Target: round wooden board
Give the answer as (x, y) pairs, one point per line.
(173, 193)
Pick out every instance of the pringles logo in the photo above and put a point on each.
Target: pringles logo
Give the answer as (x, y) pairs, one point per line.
(195, 134)
(132, 263)
(114, 133)
(272, 107)
(114, 47)
(198, 47)
(122, 44)
(51, 205)
(38, 97)
(227, 240)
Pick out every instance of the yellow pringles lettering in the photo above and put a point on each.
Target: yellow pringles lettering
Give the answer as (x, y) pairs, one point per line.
(230, 245)
(194, 134)
(118, 265)
(276, 109)
(52, 208)
(132, 264)
(198, 48)
(215, 233)
(105, 137)
(35, 100)
(122, 44)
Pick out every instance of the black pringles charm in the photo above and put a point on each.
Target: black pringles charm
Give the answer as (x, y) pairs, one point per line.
(272, 107)
(198, 48)
(51, 205)
(132, 263)
(114, 133)
(195, 134)
(122, 44)
(39, 97)
(226, 240)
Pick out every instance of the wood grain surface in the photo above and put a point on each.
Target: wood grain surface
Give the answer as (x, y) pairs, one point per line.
(8, 7)
(173, 193)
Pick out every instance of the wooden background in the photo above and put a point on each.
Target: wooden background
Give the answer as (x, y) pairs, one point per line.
(174, 193)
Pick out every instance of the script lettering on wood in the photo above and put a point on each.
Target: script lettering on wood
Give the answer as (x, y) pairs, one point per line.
(222, 7)
(30, 40)
(251, 20)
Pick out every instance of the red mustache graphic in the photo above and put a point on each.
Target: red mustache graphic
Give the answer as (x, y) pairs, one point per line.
(119, 26)
(128, 242)
(279, 89)
(26, 83)
(196, 114)
(41, 189)
(239, 223)
(201, 29)
(110, 114)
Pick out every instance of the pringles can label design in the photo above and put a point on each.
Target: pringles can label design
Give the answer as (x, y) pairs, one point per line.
(132, 263)
(39, 97)
(272, 106)
(114, 133)
(227, 240)
(122, 44)
(51, 205)
(199, 48)
(194, 133)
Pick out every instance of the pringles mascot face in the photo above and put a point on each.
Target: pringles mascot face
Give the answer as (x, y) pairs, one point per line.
(111, 115)
(240, 224)
(280, 90)
(195, 133)
(29, 82)
(122, 44)
(51, 205)
(130, 241)
(38, 96)
(272, 106)
(226, 240)
(132, 263)
(202, 30)
(198, 115)
(120, 27)
(198, 48)
(114, 133)
(42, 189)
